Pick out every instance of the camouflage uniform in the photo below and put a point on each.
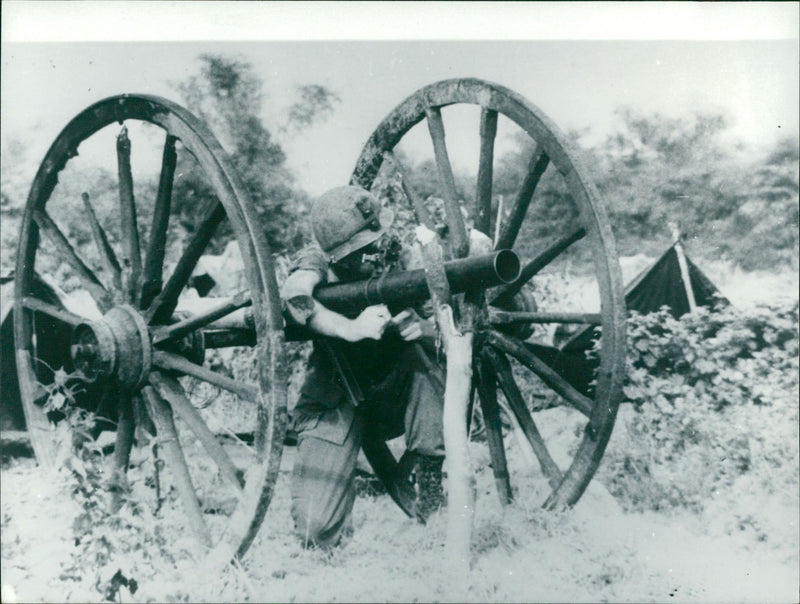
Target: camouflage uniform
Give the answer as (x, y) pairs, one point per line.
(400, 396)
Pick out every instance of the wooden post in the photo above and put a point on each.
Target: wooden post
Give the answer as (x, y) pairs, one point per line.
(456, 327)
(458, 347)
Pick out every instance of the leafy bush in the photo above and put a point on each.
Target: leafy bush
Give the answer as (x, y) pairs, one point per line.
(713, 398)
(106, 539)
(117, 539)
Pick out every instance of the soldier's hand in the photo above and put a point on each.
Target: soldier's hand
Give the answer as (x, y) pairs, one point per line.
(370, 324)
(411, 326)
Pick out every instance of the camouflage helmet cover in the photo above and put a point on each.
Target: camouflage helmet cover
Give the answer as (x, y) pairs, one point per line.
(346, 219)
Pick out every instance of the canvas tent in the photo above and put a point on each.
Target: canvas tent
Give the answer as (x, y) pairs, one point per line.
(11, 416)
(663, 284)
(56, 333)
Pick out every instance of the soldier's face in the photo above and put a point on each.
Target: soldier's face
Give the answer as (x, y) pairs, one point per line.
(371, 260)
(356, 266)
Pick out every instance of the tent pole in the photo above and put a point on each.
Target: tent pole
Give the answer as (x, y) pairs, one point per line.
(687, 282)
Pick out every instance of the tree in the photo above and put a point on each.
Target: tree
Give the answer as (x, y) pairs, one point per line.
(228, 95)
(655, 170)
(13, 191)
(314, 103)
(764, 228)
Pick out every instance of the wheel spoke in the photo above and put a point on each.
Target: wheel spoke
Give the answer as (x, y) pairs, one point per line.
(173, 362)
(122, 447)
(483, 192)
(510, 228)
(171, 391)
(185, 327)
(131, 256)
(533, 266)
(487, 393)
(554, 381)
(420, 211)
(457, 234)
(504, 317)
(164, 304)
(156, 247)
(508, 385)
(391, 473)
(227, 338)
(170, 447)
(107, 255)
(471, 408)
(68, 253)
(52, 311)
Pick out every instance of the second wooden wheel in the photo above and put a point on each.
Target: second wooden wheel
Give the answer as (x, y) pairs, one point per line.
(588, 383)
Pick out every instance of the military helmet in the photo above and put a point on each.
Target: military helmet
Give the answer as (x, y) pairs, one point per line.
(346, 219)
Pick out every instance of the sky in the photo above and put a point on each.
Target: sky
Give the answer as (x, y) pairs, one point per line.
(740, 60)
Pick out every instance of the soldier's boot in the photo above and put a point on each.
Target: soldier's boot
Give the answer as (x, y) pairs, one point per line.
(430, 494)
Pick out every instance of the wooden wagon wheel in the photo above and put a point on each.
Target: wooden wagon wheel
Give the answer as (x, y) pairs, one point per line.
(141, 354)
(503, 357)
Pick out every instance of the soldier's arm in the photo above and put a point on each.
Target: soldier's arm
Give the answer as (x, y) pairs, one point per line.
(305, 310)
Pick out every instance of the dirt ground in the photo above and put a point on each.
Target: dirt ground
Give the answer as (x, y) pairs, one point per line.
(593, 553)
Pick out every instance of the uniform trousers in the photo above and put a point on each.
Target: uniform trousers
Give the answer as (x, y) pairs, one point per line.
(405, 399)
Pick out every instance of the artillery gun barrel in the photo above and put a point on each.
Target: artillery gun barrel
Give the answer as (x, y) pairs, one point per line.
(395, 289)
(407, 288)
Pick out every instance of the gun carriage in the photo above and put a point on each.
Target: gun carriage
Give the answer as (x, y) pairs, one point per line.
(145, 364)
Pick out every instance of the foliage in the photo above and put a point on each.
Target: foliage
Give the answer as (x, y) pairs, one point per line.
(104, 538)
(13, 181)
(714, 398)
(228, 96)
(730, 204)
(112, 526)
(122, 538)
(314, 103)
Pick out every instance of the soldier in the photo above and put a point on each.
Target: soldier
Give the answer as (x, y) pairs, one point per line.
(366, 376)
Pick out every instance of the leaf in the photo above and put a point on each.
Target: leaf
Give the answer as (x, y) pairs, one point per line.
(60, 377)
(56, 400)
(77, 466)
(632, 392)
(705, 367)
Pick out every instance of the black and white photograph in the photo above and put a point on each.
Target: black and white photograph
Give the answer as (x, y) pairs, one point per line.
(399, 302)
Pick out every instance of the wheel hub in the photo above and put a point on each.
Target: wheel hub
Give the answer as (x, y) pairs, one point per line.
(522, 301)
(118, 345)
